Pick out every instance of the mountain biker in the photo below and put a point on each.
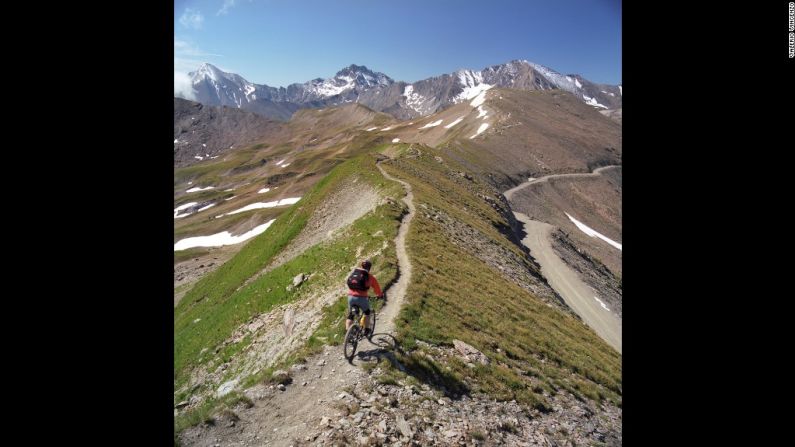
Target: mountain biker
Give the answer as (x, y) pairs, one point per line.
(358, 295)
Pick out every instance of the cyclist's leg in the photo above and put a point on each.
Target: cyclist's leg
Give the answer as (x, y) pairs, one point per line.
(366, 309)
(360, 302)
(367, 322)
(349, 320)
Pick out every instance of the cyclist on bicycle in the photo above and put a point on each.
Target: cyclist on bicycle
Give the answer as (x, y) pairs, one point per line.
(359, 282)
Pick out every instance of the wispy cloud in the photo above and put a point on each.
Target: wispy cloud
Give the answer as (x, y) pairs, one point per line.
(225, 8)
(185, 48)
(191, 19)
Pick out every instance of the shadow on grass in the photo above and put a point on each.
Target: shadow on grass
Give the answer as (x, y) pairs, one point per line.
(420, 367)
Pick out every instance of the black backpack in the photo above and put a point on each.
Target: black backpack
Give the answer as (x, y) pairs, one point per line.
(358, 280)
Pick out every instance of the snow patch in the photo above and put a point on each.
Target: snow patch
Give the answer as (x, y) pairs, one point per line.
(482, 127)
(219, 239)
(473, 86)
(333, 86)
(458, 120)
(372, 129)
(478, 101)
(562, 82)
(387, 128)
(592, 102)
(469, 78)
(602, 303)
(285, 165)
(182, 207)
(198, 157)
(414, 100)
(481, 112)
(196, 188)
(592, 233)
(259, 205)
(249, 90)
(396, 140)
(577, 83)
(263, 190)
(433, 124)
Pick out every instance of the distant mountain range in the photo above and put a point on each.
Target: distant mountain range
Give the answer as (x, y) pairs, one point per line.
(357, 83)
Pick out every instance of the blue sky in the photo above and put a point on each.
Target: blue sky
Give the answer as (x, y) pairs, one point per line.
(279, 42)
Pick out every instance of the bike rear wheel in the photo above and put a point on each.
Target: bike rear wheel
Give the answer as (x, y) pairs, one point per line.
(351, 340)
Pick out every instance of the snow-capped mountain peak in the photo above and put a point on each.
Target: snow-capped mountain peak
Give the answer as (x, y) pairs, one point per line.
(357, 83)
(352, 77)
(230, 89)
(363, 76)
(207, 71)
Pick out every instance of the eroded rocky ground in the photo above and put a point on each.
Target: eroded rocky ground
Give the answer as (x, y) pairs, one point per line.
(329, 402)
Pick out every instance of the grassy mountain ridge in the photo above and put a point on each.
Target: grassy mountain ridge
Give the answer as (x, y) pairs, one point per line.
(537, 347)
(460, 296)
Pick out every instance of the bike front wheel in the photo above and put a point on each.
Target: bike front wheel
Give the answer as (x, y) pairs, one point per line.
(371, 324)
(351, 340)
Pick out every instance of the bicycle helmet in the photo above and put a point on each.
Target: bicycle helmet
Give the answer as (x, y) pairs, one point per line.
(366, 264)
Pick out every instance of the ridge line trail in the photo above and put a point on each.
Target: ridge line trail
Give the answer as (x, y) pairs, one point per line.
(287, 418)
(398, 289)
(567, 282)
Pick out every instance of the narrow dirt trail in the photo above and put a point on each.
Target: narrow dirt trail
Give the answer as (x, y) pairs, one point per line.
(289, 417)
(397, 292)
(509, 193)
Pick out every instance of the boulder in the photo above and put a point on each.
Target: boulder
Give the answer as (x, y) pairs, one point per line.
(470, 353)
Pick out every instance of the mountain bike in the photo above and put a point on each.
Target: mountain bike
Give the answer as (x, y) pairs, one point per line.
(356, 332)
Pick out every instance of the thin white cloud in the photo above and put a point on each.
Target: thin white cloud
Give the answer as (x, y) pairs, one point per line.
(192, 19)
(225, 8)
(185, 48)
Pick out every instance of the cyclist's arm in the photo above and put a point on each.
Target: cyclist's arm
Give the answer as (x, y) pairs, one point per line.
(374, 284)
